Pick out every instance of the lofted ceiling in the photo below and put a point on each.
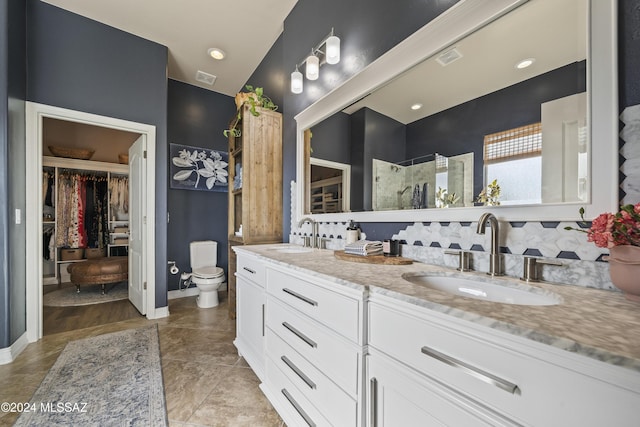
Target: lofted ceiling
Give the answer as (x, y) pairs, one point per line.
(244, 29)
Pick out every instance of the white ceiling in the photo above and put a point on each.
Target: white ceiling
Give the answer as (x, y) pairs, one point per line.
(244, 29)
(553, 32)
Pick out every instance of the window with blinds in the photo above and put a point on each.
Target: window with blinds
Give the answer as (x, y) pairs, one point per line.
(512, 144)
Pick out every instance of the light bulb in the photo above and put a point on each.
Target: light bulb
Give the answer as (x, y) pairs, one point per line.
(296, 81)
(313, 67)
(333, 50)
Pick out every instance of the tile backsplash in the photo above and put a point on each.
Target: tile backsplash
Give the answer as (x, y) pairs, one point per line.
(582, 262)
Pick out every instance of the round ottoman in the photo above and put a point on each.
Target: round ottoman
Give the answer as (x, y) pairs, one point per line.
(99, 271)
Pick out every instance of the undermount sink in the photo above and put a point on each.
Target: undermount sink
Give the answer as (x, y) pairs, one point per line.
(485, 289)
(293, 250)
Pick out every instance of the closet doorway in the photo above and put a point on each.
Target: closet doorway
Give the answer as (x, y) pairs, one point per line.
(121, 153)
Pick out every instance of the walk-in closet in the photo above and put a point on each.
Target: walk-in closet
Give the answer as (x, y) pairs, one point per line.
(85, 200)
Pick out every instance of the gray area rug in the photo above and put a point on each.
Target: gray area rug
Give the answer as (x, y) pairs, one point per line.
(109, 380)
(90, 294)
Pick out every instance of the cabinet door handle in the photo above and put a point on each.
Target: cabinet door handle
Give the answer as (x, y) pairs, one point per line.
(298, 372)
(472, 370)
(263, 320)
(373, 384)
(300, 297)
(297, 407)
(300, 335)
(249, 270)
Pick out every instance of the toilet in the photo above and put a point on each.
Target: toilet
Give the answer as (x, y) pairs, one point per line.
(204, 272)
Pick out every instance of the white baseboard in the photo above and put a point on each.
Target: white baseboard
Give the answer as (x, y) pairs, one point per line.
(9, 354)
(160, 312)
(190, 292)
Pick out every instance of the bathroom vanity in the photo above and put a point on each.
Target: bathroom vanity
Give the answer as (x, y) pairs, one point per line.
(350, 344)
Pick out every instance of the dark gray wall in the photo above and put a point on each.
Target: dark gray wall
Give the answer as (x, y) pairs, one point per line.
(17, 89)
(384, 140)
(270, 74)
(629, 52)
(12, 179)
(83, 65)
(5, 306)
(196, 117)
(331, 140)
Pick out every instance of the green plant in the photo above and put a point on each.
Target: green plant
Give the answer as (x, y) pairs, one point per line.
(444, 199)
(255, 98)
(490, 196)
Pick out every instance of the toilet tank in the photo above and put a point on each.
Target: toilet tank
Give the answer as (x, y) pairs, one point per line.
(203, 254)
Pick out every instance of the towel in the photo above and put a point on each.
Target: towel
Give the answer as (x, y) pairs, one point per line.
(364, 248)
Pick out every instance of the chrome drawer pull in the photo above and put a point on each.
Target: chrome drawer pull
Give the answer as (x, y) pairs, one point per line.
(300, 335)
(298, 372)
(374, 402)
(300, 297)
(297, 407)
(473, 371)
(249, 270)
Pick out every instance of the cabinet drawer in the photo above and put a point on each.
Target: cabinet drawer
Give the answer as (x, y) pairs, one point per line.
(294, 408)
(337, 311)
(325, 395)
(251, 268)
(330, 353)
(399, 397)
(526, 388)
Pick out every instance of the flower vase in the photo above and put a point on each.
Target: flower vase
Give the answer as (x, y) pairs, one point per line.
(624, 269)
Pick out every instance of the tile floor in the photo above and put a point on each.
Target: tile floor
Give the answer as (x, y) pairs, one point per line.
(206, 382)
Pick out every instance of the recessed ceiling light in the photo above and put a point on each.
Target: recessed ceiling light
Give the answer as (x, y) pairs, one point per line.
(525, 63)
(216, 53)
(416, 106)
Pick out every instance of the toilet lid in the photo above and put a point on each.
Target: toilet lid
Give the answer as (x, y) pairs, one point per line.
(208, 272)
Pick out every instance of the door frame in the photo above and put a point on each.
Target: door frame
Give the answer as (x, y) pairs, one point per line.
(33, 219)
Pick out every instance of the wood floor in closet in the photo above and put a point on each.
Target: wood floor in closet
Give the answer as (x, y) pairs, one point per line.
(63, 319)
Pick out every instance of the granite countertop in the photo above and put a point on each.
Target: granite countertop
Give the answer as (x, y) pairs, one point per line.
(599, 324)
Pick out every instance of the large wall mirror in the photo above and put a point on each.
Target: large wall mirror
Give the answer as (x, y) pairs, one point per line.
(428, 130)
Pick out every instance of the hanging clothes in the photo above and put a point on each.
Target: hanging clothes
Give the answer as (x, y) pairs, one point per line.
(119, 194)
(81, 226)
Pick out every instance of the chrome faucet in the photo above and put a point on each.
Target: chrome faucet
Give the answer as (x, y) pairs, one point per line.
(495, 259)
(314, 230)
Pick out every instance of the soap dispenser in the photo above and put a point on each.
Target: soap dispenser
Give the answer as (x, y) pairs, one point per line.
(353, 233)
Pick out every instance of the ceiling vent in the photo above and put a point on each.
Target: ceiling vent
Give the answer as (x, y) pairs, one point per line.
(207, 78)
(448, 56)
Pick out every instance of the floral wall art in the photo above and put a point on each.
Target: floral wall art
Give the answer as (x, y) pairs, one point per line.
(194, 168)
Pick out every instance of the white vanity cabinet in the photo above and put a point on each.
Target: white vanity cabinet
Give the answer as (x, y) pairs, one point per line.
(314, 350)
(481, 376)
(250, 308)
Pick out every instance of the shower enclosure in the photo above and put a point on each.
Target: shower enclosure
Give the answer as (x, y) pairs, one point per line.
(414, 183)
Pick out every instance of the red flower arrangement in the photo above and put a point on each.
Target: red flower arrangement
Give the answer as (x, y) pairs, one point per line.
(614, 229)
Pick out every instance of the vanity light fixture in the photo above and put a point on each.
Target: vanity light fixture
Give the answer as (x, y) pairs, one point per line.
(325, 52)
(216, 53)
(416, 106)
(333, 49)
(296, 81)
(313, 66)
(525, 63)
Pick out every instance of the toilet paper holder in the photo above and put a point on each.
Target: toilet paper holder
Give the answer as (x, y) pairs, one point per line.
(173, 269)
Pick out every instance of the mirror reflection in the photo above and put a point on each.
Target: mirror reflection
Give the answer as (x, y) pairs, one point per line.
(469, 126)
